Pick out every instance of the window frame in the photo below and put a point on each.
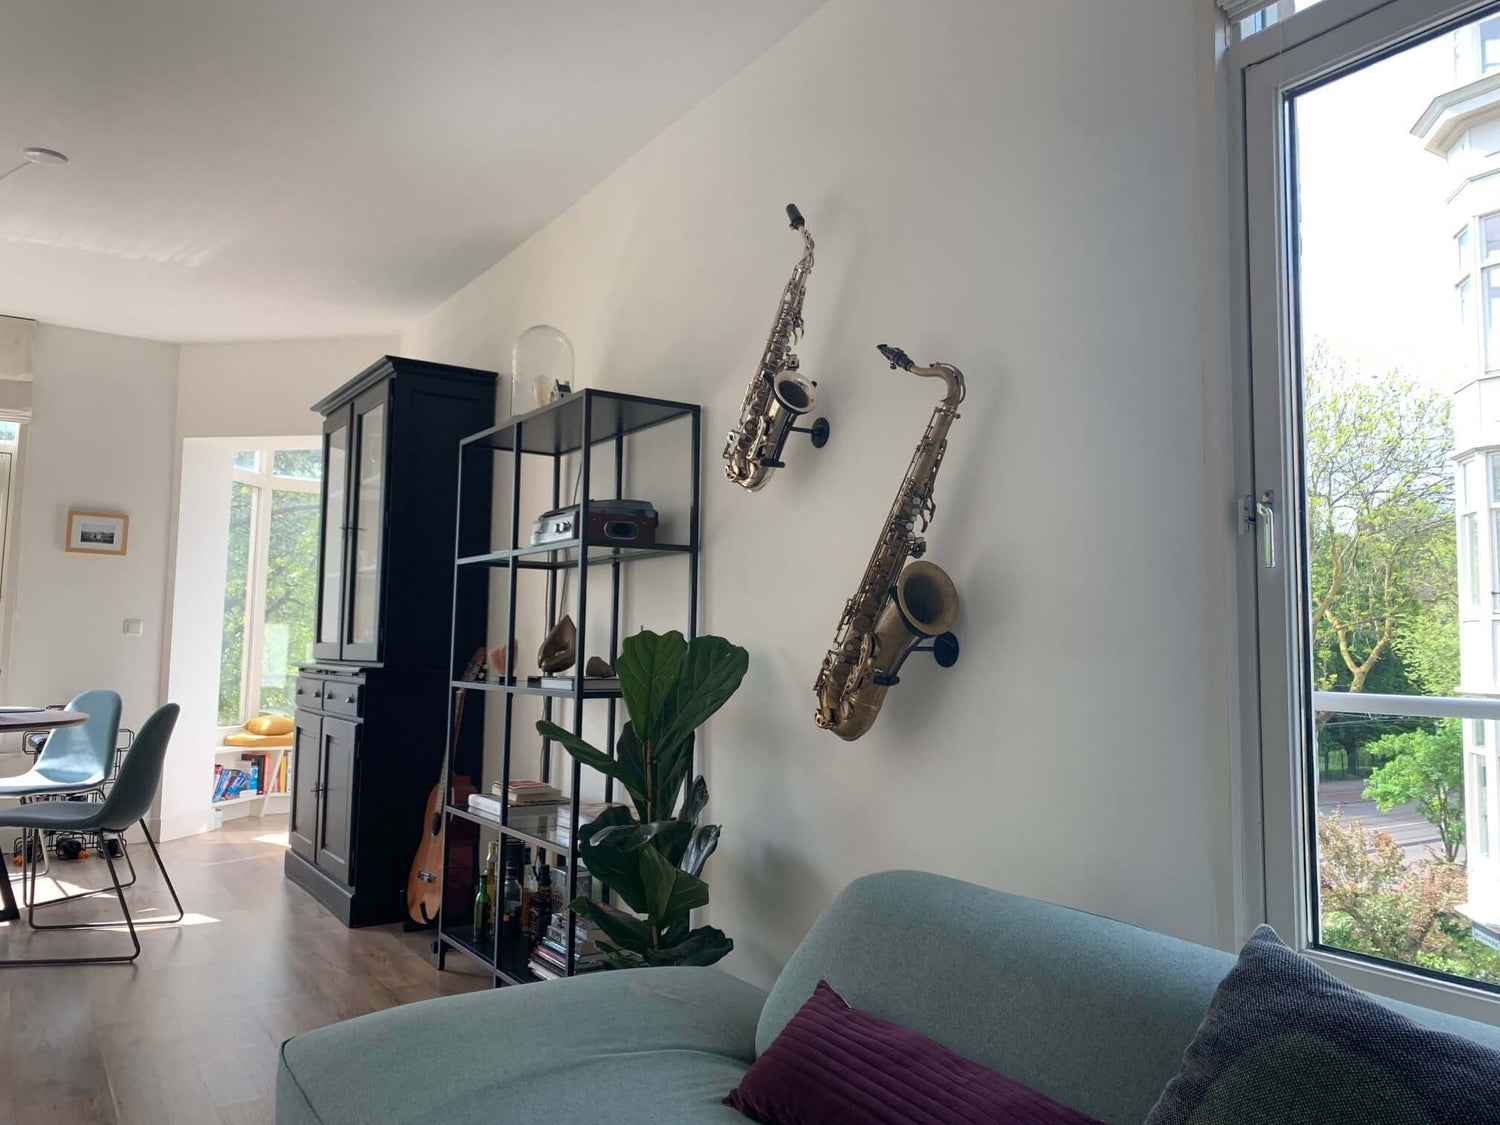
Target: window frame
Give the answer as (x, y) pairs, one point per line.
(1276, 802)
(264, 481)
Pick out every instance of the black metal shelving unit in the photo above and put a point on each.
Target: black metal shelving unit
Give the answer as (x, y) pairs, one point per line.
(584, 423)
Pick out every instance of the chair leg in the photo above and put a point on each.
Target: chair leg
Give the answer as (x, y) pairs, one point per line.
(31, 909)
(163, 867)
(30, 899)
(116, 959)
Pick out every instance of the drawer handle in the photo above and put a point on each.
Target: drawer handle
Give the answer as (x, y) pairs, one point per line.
(349, 699)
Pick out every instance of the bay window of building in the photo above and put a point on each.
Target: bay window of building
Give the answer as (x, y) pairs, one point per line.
(270, 580)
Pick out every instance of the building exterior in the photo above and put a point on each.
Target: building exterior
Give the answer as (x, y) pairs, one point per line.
(1462, 127)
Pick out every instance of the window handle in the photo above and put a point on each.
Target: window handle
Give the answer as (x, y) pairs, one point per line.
(1265, 517)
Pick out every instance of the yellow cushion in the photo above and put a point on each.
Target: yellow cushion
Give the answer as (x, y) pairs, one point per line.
(245, 738)
(269, 724)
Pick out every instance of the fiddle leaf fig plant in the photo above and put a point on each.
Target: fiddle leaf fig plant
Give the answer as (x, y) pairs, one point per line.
(652, 857)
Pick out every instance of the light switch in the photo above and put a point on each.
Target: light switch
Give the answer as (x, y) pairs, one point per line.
(133, 627)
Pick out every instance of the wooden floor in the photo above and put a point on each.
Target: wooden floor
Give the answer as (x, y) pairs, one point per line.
(189, 1032)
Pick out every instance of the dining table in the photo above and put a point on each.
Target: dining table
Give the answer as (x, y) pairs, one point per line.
(28, 720)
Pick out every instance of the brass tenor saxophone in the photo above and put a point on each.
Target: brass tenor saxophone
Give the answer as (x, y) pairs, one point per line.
(898, 603)
(779, 394)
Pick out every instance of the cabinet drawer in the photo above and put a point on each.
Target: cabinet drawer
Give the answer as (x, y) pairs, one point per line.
(309, 692)
(342, 699)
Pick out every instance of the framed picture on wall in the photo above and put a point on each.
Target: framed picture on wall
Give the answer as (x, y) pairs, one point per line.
(97, 533)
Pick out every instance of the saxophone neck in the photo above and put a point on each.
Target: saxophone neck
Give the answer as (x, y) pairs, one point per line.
(951, 376)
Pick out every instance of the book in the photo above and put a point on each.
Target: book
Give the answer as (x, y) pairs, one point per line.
(485, 805)
(544, 970)
(526, 792)
(587, 811)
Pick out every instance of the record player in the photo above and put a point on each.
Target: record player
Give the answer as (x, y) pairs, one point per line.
(620, 522)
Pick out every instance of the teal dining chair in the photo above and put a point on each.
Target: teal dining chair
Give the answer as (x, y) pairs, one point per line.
(73, 760)
(125, 806)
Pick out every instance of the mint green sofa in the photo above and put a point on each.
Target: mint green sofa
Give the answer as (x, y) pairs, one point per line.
(1092, 1012)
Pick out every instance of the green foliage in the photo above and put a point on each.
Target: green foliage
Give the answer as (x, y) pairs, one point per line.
(1373, 902)
(1427, 768)
(1380, 523)
(291, 586)
(652, 860)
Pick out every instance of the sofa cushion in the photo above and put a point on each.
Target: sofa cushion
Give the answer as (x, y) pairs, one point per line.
(836, 1063)
(651, 1045)
(1284, 1043)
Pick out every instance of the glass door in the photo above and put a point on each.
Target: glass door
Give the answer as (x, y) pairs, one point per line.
(332, 543)
(367, 530)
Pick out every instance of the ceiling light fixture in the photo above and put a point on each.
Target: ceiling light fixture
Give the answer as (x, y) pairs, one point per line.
(36, 156)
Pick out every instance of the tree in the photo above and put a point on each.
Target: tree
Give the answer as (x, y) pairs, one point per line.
(1380, 516)
(1372, 902)
(1426, 768)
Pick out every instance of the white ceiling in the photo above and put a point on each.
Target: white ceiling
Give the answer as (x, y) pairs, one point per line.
(257, 169)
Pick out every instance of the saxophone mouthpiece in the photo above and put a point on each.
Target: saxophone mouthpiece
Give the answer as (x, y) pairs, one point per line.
(897, 357)
(798, 222)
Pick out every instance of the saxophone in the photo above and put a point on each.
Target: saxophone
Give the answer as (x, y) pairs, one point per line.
(779, 394)
(898, 603)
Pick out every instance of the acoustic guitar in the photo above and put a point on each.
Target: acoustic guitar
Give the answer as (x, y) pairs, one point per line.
(424, 886)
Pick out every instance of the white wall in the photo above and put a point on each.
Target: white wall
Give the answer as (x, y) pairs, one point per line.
(266, 387)
(1018, 189)
(229, 395)
(101, 438)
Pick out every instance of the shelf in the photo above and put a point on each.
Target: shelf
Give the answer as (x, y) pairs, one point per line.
(523, 688)
(557, 428)
(564, 553)
(461, 938)
(241, 798)
(526, 828)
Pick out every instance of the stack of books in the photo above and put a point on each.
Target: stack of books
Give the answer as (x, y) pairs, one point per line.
(230, 783)
(538, 798)
(530, 793)
(549, 960)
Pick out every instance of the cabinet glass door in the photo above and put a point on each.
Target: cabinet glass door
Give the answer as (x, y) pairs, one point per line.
(371, 440)
(331, 548)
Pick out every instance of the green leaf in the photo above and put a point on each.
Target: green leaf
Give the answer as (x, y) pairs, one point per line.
(629, 837)
(631, 756)
(703, 946)
(624, 930)
(617, 868)
(701, 845)
(670, 771)
(712, 669)
(670, 892)
(648, 667)
(581, 751)
(692, 804)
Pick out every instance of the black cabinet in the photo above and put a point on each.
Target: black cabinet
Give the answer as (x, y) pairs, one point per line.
(364, 758)
(390, 472)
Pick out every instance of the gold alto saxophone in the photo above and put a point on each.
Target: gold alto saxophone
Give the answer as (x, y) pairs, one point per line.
(898, 604)
(779, 394)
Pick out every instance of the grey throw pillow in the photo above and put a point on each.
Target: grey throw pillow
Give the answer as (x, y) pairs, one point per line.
(1284, 1043)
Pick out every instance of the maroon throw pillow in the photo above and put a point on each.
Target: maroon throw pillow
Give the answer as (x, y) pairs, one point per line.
(834, 1063)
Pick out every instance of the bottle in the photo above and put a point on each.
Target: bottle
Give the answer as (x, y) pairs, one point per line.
(540, 915)
(528, 896)
(484, 906)
(510, 903)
